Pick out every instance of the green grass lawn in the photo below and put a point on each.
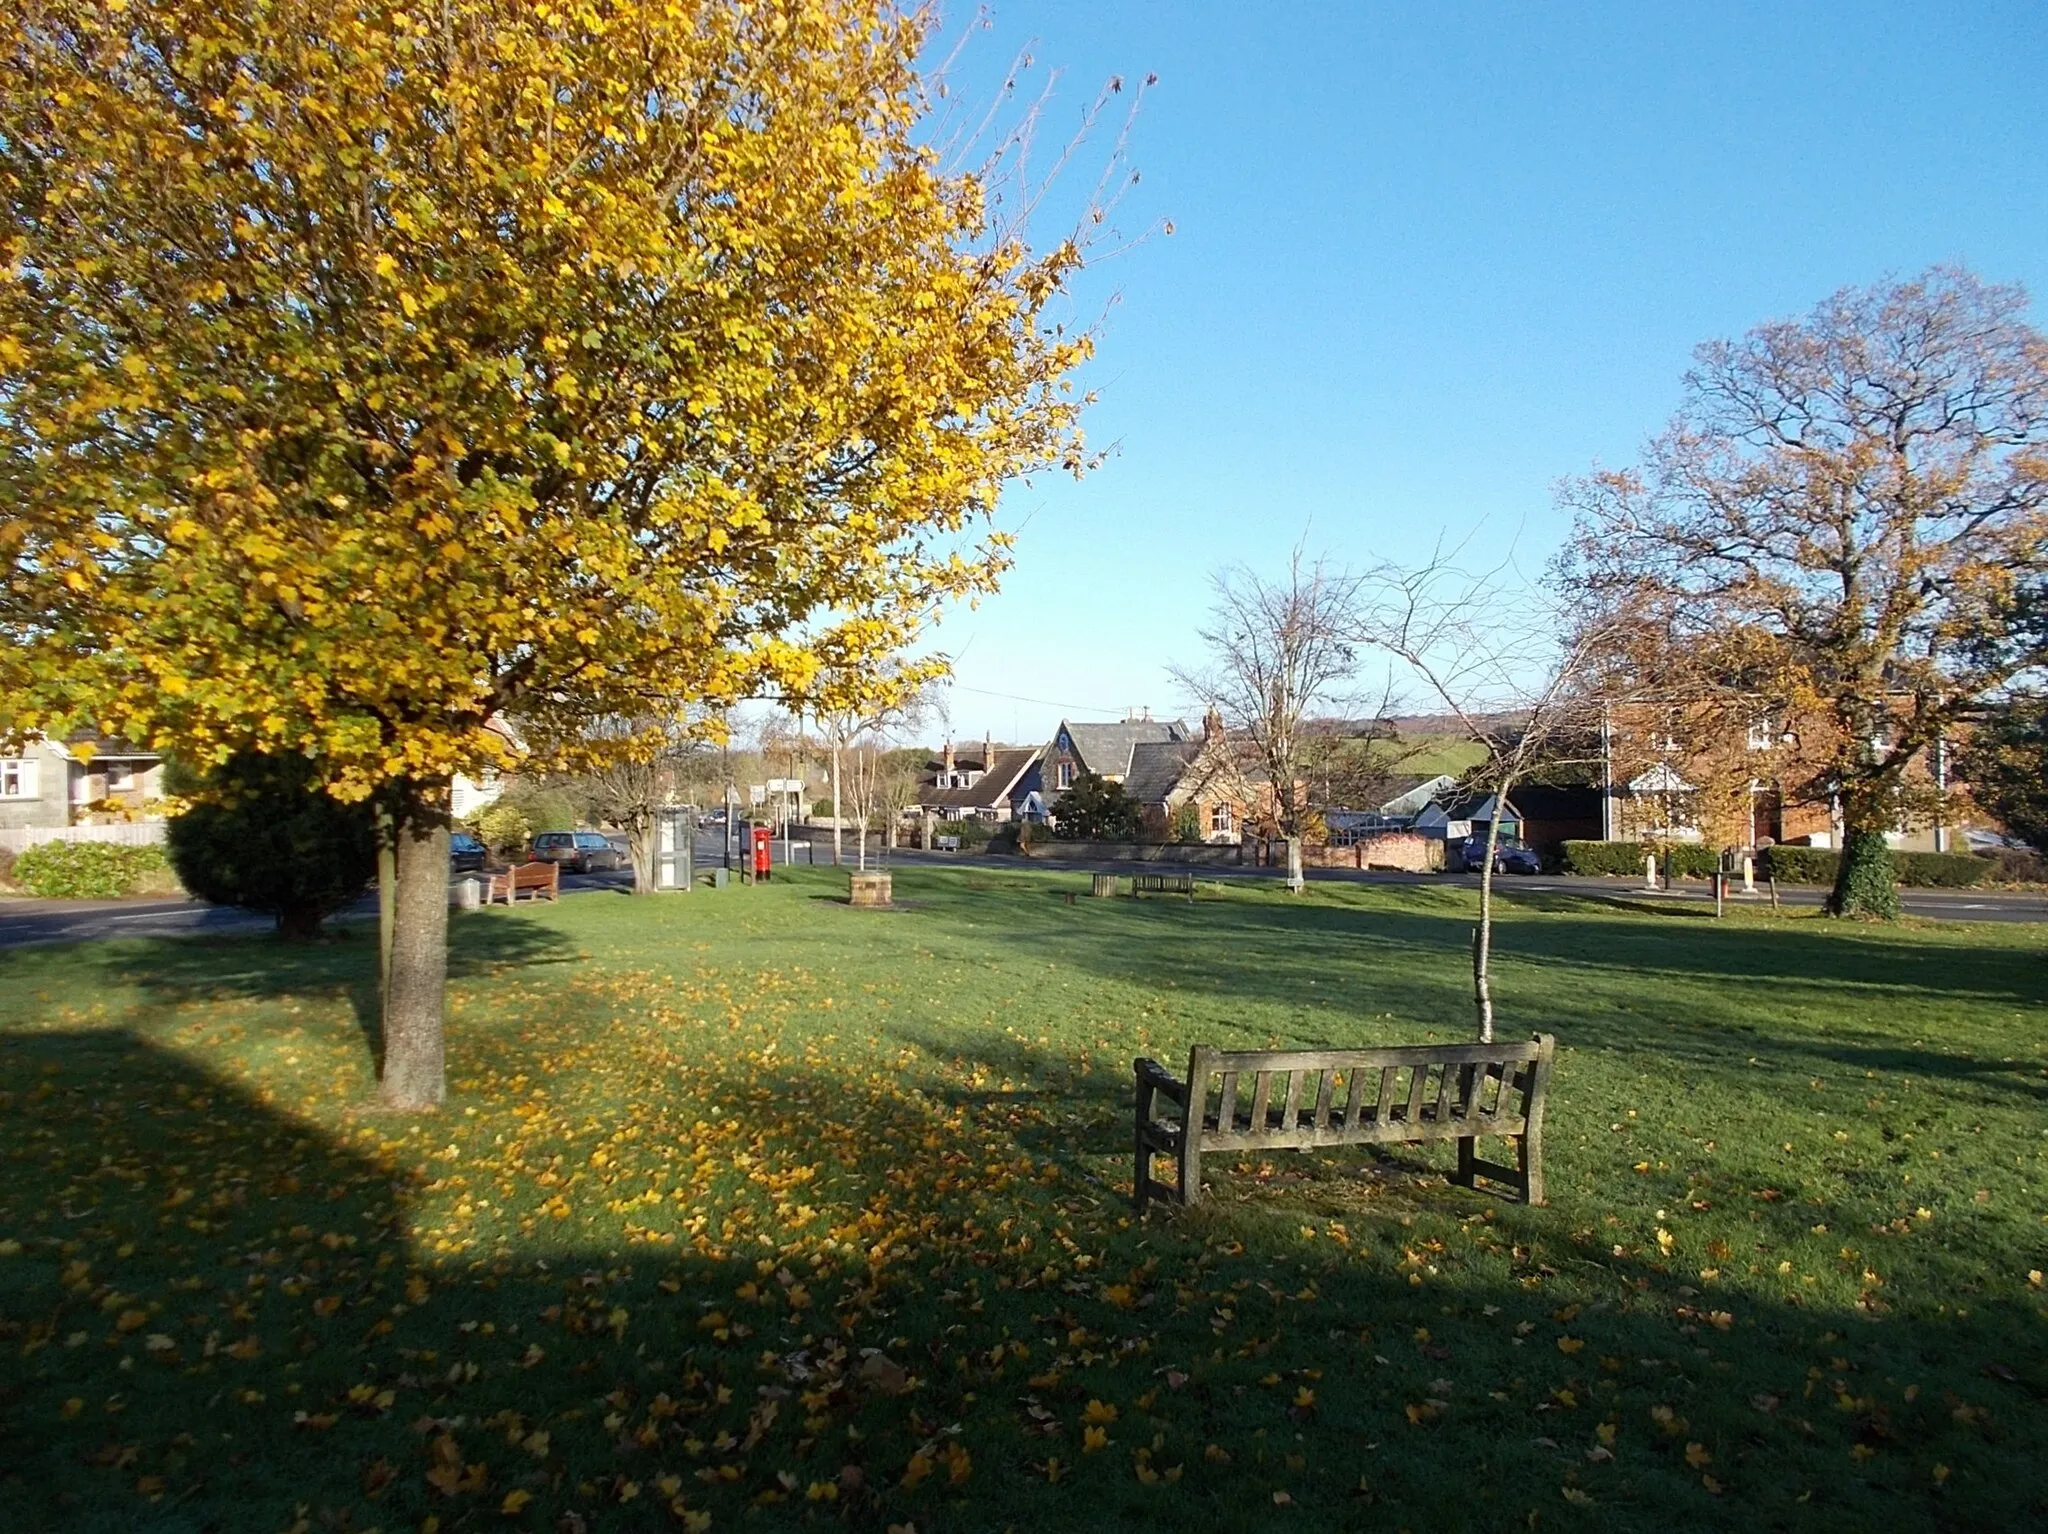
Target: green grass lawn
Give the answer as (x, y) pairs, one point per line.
(748, 1210)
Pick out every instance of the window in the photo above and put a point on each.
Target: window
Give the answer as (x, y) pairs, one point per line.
(1066, 774)
(17, 778)
(122, 777)
(1219, 819)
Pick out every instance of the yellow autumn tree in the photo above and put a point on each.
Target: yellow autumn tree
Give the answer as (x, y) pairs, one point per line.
(372, 371)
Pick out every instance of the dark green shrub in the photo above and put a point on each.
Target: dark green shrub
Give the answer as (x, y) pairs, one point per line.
(1097, 810)
(1688, 860)
(87, 870)
(1799, 865)
(1920, 870)
(263, 834)
(1603, 859)
(1942, 870)
(973, 834)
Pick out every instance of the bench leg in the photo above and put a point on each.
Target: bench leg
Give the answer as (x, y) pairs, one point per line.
(1529, 1150)
(1190, 1162)
(1468, 1154)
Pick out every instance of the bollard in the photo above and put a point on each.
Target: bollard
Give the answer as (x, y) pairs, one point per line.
(1749, 876)
(1720, 892)
(718, 877)
(1650, 871)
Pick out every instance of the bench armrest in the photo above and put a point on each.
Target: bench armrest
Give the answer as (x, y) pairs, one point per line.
(1151, 1073)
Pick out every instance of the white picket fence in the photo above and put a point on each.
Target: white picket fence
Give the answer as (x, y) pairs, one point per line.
(135, 833)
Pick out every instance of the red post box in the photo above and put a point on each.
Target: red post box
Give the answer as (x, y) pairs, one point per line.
(764, 851)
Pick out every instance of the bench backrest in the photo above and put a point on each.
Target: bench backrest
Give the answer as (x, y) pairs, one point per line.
(1278, 1098)
(535, 875)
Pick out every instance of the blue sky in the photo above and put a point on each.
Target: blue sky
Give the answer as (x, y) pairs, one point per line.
(1427, 260)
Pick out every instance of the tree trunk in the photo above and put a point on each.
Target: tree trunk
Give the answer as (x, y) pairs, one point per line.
(387, 907)
(1482, 940)
(640, 847)
(835, 804)
(1864, 884)
(1297, 881)
(414, 1078)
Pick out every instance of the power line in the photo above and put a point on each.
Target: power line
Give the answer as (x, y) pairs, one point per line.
(1017, 697)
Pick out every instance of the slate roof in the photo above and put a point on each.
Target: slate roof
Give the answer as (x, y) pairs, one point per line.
(989, 790)
(1156, 766)
(1105, 749)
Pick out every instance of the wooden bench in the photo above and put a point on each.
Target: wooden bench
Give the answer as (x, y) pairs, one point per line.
(1164, 884)
(534, 879)
(1307, 1099)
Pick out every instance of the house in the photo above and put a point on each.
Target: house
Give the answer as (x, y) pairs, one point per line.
(1212, 783)
(988, 786)
(1659, 760)
(52, 783)
(1103, 749)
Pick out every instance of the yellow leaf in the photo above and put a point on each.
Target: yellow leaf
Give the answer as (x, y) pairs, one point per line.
(514, 1501)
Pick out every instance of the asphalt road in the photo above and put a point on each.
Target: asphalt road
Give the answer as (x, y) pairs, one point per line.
(61, 921)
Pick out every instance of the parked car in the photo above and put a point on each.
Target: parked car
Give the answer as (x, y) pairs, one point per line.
(1515, 860)
(466, 855)
(580, 852)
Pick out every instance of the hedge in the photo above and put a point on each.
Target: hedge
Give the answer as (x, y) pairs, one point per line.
(1687, 860)
(1922, 870)
(89, 870)
(1788, 865)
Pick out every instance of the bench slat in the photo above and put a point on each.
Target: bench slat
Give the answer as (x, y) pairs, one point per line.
(1326, 1091)
(1404, 1054)
(1262, 1089)
(1226, 1108)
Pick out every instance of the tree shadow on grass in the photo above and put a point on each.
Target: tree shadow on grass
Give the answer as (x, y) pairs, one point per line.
(1354, 974)
(343, 965)
(220, 1316)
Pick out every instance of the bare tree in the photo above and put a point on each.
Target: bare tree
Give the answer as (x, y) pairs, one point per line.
(1519, 673)
(1279, 652)
(867, 705)
(1841, 525)
(632, 780)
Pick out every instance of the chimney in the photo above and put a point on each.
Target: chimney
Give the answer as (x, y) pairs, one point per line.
(1212, 725)
(988, 753)
(949, 754)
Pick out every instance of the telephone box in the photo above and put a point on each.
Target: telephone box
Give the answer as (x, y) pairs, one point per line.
(674, 863)
(764, 852)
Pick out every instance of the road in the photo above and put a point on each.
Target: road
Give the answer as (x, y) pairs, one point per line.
(60, 921)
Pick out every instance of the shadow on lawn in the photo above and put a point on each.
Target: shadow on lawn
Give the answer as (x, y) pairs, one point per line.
(342, 965)
(1687, 990)
(221, 1317)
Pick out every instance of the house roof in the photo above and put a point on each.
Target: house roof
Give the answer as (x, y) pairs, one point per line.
(1106, 749)
(989, 790)
(1156, 766)
(1408, 793)
(1464, 806)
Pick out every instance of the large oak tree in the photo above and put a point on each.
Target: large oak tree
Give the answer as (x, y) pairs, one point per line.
(1838, 530)
(371, 370)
